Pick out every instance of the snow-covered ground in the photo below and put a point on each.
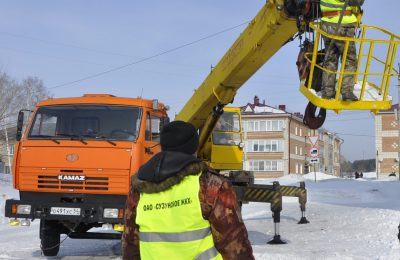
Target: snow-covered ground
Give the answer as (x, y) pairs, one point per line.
(349, 219)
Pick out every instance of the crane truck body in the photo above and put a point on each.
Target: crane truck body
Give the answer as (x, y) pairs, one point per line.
(75, 180)
(74, 174)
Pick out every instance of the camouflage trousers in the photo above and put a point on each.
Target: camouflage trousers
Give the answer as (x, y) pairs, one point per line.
(334, 51)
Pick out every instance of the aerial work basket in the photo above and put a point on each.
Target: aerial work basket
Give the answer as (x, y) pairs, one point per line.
(376, 50)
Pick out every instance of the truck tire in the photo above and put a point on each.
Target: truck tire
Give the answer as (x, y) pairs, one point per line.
(49, 237)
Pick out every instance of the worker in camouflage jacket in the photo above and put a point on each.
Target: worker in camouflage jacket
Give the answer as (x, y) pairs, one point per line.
(179, 208)
(331, 12)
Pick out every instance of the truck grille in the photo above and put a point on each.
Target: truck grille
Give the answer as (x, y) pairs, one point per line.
(90, 183)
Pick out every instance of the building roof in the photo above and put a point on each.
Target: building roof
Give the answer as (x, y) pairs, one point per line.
(261, 109)
(257, 109)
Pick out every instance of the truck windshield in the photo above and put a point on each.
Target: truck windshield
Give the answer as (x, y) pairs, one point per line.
(78, 122)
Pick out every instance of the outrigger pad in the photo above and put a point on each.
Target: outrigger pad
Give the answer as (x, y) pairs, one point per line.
(303, 220)
(276, 241)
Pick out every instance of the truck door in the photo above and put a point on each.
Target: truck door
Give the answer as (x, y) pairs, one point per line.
(152, 135)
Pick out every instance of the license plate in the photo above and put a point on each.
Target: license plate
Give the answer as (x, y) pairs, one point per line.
(65, 211)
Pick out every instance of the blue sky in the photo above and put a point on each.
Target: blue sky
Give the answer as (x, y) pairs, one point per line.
(63, 41)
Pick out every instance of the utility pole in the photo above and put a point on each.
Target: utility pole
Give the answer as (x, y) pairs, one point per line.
(377, 164)
(8, 149)
(305, 154)
(398, 118)
(244, 163)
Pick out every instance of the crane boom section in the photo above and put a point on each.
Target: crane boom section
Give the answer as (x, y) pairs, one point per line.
(269, 30)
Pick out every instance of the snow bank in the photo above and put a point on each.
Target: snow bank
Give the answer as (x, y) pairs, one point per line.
(369, 175)
(349, 219)
(318, 176)
(6, 192)
(294, 179)
(5, 178)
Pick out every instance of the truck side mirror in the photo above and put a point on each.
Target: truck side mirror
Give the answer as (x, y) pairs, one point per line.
(20, 124)
(165, 120)
(155, 104)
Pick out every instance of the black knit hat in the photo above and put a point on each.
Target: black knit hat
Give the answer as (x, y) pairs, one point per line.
(179, 136)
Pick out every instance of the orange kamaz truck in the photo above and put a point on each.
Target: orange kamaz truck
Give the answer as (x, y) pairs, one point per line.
(73, 163)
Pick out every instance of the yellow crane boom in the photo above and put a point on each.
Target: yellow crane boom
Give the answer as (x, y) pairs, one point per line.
(269, 30)
(274, 25)
(262, 38)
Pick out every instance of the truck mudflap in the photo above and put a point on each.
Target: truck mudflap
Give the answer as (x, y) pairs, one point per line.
(82, 208)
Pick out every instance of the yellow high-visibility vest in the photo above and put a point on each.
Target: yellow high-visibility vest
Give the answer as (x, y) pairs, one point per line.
(171, 225)
(336, 5)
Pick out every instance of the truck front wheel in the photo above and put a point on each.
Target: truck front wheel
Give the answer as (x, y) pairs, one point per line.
(49, 237)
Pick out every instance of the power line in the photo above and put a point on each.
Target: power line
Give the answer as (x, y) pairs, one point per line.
(65, 44)
(51, 57)
(358, 135)
(148, 58)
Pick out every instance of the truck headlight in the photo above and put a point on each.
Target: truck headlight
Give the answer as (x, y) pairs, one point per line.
(23, 209)
(110, 213)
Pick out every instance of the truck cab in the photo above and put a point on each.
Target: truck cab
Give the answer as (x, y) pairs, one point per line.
(74, 162)
(225, 145)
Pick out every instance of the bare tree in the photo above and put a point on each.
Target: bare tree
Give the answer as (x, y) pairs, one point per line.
(15, 96)
(31, 92)
(8, 93)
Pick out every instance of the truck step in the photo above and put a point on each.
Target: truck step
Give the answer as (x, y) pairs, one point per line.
(95, 235)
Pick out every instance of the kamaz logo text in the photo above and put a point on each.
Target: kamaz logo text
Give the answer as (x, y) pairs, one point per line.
(71, 177)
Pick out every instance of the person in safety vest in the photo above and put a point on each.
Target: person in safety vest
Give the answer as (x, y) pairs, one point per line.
(178, 208)
(332, 10)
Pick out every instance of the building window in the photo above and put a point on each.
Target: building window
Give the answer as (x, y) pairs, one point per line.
(295, 131)
(264, 146)
(263, 125)
(295, 149)
(297, 168)
(11, 149)
(261, 165)
(249, 126)
(274, 125)
(301, 150)
(301, 132)
(331, 139)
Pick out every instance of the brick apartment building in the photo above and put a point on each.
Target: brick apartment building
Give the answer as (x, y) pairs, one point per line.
(387, 141)
(278, 143)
